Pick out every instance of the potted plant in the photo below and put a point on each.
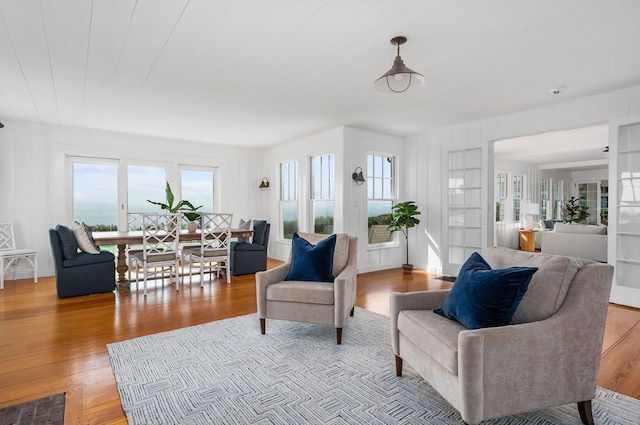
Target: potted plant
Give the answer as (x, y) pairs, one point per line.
(192, 216)
(183, 205)
(575, 211)
(403, 217)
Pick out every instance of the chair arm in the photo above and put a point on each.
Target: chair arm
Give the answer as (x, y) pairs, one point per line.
(344, 293)
(418, 300)
(266, 278)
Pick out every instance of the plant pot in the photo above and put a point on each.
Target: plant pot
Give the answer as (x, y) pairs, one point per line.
(192, 226)
(407, 268)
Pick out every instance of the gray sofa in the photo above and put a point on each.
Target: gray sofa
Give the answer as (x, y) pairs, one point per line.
(549, 355)
(574, 240)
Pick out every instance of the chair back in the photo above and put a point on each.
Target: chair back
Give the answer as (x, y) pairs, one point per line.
(160, 234)
(7, 239)
(134, 221)
(216, 233)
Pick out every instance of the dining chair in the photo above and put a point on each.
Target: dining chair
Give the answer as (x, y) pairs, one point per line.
(134, 222)
(160, 247)
(213, 252)
(10, 256)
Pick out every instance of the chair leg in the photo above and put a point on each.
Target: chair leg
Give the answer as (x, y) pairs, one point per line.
(263, 325)
(352, 310)
(586, 414)
(398, 366)
(339, 335)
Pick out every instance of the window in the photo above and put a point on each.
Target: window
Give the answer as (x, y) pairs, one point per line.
(288, 199)
(322, 192)
(545, 200)
(95, 194)
(197, 188)
(144, 183)
(501, 196)
(518, 184)
(558, 197)
(380, 197)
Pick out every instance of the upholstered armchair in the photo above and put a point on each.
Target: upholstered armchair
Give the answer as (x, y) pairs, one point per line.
(251, 257)
(547, 355)
(80, 273)
(327, 303)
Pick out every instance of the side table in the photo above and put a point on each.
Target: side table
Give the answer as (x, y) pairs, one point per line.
(527, 240)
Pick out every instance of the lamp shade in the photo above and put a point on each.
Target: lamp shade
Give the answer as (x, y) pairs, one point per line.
(533, 209)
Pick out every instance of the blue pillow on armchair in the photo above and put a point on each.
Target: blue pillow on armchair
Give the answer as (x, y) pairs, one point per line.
(483, 297)
(312, 262)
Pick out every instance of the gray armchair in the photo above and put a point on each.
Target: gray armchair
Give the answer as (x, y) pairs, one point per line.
(549, 355)
(311, 302)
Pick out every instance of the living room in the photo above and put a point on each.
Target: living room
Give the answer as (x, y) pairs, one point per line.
(420, 130)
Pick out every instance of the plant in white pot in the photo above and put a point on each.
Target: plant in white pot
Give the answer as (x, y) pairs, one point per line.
(403, 217)
(181, 206)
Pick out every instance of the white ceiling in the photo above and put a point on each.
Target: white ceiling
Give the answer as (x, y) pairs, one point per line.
(256, 73)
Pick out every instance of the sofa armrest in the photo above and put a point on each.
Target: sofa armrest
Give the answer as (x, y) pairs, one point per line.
(266, 278)
(344, 290)
(418, 300)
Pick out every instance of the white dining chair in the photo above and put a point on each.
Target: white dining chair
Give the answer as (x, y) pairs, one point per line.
(10, 256)
(213, 253)
(160, 247)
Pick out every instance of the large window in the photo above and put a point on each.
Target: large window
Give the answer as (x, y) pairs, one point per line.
(518, 187)
(380, 197)
(288, 199)
(322, 192)
(197, 188)
(501, 196)
(95, 194)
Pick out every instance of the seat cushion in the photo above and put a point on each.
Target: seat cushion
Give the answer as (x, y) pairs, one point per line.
(301, 292)
(549, 285)
(484, 297)
(433, 334)
(83, 259)
(311, 262)
(241, 246)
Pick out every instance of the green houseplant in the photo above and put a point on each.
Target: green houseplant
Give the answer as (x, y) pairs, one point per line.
(403, 217)
(575, 212)
(182, 206)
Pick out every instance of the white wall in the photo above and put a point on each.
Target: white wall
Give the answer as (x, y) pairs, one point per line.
(34, 177)
(426, 148)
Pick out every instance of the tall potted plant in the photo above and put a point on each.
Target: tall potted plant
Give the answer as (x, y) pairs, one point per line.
(403, 217)
(183, 205)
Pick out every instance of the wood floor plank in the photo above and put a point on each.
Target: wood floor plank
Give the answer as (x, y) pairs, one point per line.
(50, 345)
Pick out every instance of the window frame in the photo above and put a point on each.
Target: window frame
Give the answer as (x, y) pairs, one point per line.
(291, 198)
(372, 178)
(326, 179)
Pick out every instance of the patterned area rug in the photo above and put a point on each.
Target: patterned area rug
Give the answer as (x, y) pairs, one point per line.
(43, 411)
(226, 372)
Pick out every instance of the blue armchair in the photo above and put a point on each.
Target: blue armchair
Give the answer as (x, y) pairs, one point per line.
(248, 258)
(80, 273)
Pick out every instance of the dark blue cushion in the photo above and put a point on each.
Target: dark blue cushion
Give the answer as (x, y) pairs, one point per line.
(482, 297)
(312, 262)
(68, 242)
(259, 231)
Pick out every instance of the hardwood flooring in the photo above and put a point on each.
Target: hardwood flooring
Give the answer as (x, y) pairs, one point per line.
(50, 345)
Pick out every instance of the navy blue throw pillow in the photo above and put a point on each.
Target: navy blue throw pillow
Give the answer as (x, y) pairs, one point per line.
(483, 297)
(68, 242)
(312, 262)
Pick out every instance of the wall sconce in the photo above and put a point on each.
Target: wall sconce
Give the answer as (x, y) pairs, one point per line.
(357, 176)
(264, 184)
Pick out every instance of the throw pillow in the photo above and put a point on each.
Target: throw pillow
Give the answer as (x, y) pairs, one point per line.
(68, 241)
(244, 225)
(483, 297)
(85, 239)
(312, 262)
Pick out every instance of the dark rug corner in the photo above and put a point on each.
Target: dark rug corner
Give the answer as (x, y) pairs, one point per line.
(46, 410)
(447, 278)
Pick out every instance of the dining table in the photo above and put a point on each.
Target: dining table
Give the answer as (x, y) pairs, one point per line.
(134, 237)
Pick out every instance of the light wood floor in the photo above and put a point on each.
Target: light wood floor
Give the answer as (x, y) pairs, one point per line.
(50, 345)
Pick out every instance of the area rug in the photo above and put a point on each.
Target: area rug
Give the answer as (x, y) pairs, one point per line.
(43, 411)
(226, 372)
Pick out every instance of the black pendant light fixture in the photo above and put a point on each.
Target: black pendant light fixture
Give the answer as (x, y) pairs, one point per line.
(399, 78)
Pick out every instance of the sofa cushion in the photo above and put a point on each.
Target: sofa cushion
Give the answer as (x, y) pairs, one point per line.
(312, 262)
(433, 334)
(341, 252)
(84, 259)
(578, 228)
(85, 239)
(68, 242)
(549, 285)
(259, 231)
(483, 297)
(241, 246)
(296, 291)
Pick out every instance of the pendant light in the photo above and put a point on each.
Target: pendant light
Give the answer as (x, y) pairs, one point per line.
(399, 78)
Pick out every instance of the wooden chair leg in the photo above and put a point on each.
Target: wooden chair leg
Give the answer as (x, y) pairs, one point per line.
(339, 335)
(586, 414)
(262, 326)
(398, 366)
(352, 310)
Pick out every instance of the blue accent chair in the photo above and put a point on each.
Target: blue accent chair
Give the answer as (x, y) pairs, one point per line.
(248, 258)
